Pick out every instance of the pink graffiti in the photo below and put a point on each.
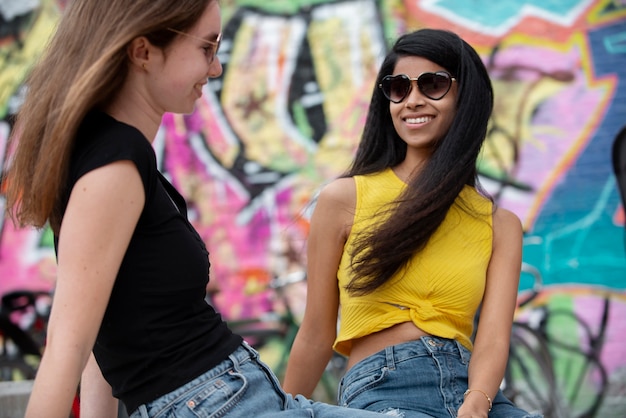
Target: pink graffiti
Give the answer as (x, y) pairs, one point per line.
(23, 263)
(555, 132)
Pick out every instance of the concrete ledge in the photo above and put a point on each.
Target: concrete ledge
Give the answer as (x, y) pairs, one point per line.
(14, 397)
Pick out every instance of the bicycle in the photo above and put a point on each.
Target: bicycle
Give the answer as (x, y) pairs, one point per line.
(273, 334)
(545, 373)
(548, 374)
(23, 321)
(22, 333)
(529, 379)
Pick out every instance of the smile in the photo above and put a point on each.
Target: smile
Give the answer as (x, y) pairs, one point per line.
(422, 119)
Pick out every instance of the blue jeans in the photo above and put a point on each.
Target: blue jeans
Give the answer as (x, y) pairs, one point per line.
(425, 378)
(241, 386)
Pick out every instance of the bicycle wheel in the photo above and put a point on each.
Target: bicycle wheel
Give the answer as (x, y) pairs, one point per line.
(529, 378)
(580, 375)
(19, 355)
(329, 382)
(16, 369)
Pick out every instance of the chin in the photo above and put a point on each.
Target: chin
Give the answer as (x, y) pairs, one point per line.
(184, 110)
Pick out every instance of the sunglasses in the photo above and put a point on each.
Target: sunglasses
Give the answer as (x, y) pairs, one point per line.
(215, 45)
(432, 85)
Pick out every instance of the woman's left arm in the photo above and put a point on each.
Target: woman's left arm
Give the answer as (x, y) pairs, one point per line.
(96, 398)
(491, 345)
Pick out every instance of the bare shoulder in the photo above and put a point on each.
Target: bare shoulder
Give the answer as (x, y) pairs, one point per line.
(506, 225)
(504, 218)
(335, 208)
(339, 193)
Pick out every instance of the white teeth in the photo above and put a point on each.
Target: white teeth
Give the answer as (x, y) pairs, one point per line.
(422, 119)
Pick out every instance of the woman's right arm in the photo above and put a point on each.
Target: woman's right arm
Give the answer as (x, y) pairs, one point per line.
(103, 210)
(329, 229)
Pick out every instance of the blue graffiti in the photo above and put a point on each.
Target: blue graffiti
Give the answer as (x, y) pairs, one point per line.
(577, 239)
(616, 43)
(499, 16)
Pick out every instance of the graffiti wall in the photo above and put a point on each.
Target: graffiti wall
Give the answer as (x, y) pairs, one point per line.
(286, 116)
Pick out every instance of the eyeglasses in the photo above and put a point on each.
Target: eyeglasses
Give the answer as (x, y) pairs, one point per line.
(432, 85)
(214, 44)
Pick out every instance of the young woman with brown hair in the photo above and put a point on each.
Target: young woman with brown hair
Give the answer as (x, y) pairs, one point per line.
(132, 271)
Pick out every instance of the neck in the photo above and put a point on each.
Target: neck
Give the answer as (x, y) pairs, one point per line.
(412, 164)
(403, 172)
(147, 124)
(131, 107)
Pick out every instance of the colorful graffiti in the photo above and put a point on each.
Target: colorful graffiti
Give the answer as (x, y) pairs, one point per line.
(286, 115)
(581, 327)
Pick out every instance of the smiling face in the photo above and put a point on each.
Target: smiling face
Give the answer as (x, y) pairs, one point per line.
(420, 121)
(187, 63)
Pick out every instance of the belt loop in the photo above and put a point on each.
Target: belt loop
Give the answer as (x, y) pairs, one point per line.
(239, 356)
(143, 411)
(248, 352)
(252, 352)
(389, 356)
(463, 352)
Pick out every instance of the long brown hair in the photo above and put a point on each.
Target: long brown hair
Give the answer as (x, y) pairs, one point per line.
(83, 67)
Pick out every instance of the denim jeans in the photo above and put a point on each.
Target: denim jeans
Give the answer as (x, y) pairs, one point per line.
(425, 378)
(241, 386)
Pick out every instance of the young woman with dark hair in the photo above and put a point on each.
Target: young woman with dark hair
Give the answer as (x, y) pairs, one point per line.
(408, 246)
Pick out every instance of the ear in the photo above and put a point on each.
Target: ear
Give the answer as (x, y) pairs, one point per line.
(139, 51)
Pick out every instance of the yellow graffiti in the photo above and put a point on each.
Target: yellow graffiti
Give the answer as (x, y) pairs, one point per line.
(16, 60)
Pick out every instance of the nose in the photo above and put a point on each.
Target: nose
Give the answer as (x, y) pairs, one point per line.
(215, 68)
(415, 96)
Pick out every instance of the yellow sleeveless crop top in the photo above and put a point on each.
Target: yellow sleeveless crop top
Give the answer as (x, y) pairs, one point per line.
(440, 288)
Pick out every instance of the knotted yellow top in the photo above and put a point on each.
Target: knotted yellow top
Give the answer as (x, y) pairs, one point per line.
(441, 287)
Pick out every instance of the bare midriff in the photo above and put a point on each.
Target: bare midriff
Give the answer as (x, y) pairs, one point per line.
(373, 343)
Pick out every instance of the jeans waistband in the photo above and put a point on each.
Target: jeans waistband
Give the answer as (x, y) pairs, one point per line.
(242, 354)
(425, 346)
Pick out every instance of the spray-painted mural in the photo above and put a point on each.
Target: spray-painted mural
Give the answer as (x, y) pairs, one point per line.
(287, 112)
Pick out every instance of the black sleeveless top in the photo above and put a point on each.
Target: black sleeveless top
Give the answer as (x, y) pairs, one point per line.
(158, 332)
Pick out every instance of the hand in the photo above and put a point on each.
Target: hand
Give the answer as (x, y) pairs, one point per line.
(475, 406)
(466, 412)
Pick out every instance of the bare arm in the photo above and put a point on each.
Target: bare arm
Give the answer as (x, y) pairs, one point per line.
(96, 399)
(101, 215)
(312, 348)
(491, 347)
